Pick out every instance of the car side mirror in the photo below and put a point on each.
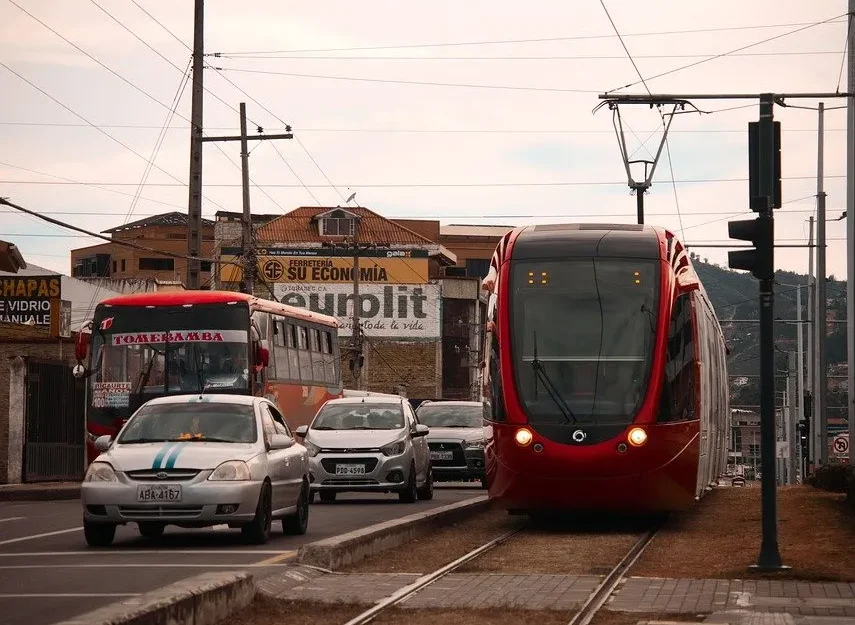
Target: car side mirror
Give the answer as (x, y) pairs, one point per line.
(421, 430)
(302, 431)
(281, 441)
(102, 443)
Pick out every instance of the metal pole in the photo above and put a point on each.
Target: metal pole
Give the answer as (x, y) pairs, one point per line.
(770, 556)
(791, 420)
(821, 390)
(811, 341)
(639, 203)
(194, 206)
(850, 224)
(800, 379)
(248, 247)
(357, 308)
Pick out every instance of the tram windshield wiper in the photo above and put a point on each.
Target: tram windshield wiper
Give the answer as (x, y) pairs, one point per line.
(543, 376)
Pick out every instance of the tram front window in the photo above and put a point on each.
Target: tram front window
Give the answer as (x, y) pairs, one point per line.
(583, 335)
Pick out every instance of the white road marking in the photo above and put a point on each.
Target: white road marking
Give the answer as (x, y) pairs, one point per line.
(124, 565)
(74, 595)
(35, 536)
(13, 518)
(143, 552)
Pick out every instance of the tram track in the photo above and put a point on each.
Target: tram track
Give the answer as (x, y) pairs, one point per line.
(584, 614)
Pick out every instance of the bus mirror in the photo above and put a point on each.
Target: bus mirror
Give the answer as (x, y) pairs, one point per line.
(263, 356)
(80, 345)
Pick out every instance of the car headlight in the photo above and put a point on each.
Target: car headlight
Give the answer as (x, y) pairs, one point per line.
(313, 449)
(394, 449)
(478, 443)
(230, 471)
(100, 472)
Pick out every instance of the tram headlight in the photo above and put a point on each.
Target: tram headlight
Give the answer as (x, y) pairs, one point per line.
(637, 437)
(523, 437)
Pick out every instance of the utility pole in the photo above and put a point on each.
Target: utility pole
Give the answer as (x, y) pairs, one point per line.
(811, 339)
(355, 344)
(800, 380)
(792, 438)
(194, 205)
(819, 315)
(249, 258)
(850, 224)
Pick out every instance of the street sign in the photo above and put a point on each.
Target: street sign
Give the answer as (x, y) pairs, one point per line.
(841, 445)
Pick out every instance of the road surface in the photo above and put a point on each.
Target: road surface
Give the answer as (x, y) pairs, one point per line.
(48, 573)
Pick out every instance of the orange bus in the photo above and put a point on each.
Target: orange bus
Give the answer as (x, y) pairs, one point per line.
(149, 345)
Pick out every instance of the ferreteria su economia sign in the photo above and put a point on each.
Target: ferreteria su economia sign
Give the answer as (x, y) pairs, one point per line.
(331, 266)
(27, 299)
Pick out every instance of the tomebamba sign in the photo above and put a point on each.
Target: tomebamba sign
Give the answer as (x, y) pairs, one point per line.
(27, 299)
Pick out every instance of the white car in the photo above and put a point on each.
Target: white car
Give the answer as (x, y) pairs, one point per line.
(368, 444)
(197, 461)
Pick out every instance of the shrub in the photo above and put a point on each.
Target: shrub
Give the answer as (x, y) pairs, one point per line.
(835, 478)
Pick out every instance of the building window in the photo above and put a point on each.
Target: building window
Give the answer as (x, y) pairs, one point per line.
(477, 267)
(206, 266)
(337, 226)
(157, 264)
(123, 264)
(114, 266)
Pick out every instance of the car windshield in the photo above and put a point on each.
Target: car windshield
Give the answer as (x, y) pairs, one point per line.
(359, 417)
(441, 415)
(204, 421)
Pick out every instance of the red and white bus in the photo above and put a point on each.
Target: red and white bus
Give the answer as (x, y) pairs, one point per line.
(150, 345)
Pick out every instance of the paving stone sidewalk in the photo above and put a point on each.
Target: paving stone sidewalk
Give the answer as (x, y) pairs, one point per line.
(743, 602)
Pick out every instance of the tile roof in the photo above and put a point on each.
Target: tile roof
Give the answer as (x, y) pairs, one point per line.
(174, 218)
(298, 227)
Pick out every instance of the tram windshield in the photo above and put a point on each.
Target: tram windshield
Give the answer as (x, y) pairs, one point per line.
(582, 337)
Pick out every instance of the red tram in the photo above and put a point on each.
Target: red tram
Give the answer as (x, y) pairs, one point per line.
(605, 384)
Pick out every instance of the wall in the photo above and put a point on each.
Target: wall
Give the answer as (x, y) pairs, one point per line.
(390, 364)
(62, 350)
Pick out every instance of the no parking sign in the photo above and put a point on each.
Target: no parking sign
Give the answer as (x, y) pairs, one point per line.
(841, 445)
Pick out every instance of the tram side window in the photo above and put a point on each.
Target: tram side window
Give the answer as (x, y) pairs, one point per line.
(678, 400)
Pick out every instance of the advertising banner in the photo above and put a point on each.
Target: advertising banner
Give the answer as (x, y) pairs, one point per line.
(381, 266)
(391, 311)
(27, 299)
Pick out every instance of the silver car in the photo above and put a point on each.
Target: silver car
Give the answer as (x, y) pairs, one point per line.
(456, 439)
(368, 444)
(197, 461)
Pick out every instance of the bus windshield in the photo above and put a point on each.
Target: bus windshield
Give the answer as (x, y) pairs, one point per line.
(139, 353)
(582, 337)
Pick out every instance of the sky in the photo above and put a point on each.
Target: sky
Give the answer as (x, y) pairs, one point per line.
(468, 112)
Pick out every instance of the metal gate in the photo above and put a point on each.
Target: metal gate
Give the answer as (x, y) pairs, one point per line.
(54, 440)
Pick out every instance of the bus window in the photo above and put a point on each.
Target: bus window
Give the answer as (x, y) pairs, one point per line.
(304, 355)
(293, 358)
(280, 352)
(318, 361)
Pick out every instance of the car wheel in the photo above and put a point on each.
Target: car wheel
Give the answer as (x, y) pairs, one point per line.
(326, 495)
(425, 493)
(99, 534)
(151, 530)
(298, 523)
(410, 493)
(258, 532)
(484, 481)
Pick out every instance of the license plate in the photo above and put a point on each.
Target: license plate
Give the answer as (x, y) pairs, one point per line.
(441, 455)
(350, 469)
(159, 492)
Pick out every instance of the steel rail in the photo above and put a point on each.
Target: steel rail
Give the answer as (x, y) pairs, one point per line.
(600, 595)
(424, 581)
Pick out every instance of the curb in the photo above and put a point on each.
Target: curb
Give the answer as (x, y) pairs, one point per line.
(338, 551)
(205, 599)
(47, 493)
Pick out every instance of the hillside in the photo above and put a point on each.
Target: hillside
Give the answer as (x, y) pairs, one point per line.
(734, 296)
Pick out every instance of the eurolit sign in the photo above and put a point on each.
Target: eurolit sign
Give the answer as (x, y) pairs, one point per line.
(390, 311)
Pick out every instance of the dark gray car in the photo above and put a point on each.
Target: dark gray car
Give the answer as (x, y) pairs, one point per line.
(456, 439)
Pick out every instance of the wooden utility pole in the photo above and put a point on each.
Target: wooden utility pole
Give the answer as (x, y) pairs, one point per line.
(194, 205)
(249, 258)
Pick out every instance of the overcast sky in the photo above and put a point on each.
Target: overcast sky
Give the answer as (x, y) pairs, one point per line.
(507, 137)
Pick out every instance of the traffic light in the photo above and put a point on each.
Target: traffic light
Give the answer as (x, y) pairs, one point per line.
(760, 260)
(763, 181)
(808, 405)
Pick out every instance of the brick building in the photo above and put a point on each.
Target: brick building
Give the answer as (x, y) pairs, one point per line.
(413, 315)
(167, 232)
